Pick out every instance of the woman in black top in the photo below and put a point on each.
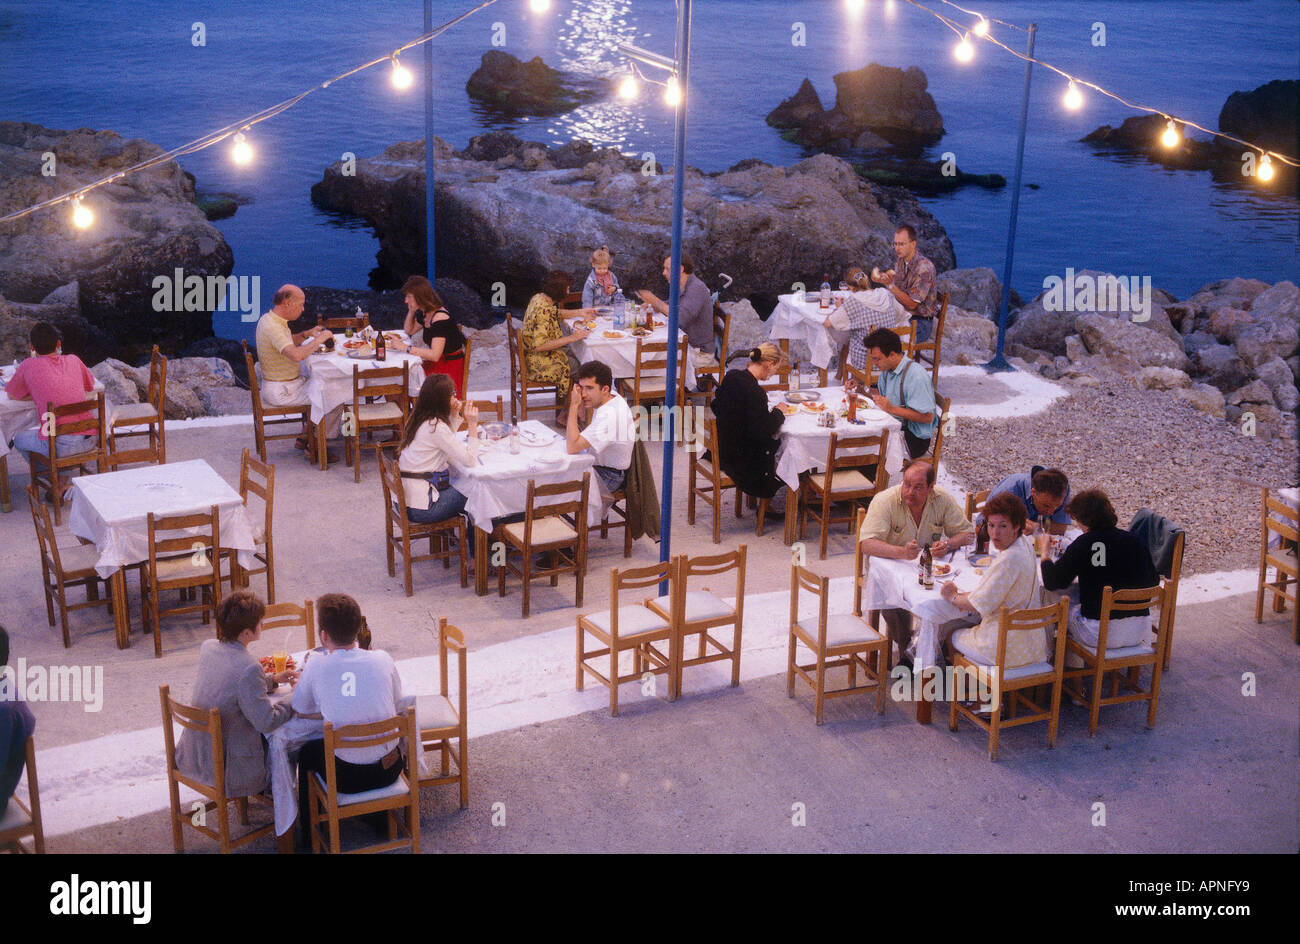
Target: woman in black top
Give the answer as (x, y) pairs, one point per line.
(443, 351)
(1103, 556)
(747, 428)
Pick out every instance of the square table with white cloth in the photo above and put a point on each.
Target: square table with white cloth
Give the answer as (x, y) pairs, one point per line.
(798, 319)
(112, 509)
(804, 443)
(498, 485)
(329, 376)
(619, 353)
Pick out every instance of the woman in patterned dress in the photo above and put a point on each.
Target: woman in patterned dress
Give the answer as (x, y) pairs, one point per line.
(544, 340)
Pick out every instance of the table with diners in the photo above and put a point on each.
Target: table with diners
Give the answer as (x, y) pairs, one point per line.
(801, 318)
(329, 373)
(18, 415)
(616, 347)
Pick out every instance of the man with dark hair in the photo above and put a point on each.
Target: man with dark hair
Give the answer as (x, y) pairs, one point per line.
(610, 431)
(913, 282)
(1044, 492)
(694, 310)
(16, 726)
(50, 378)
(904, 392)
(280, 354)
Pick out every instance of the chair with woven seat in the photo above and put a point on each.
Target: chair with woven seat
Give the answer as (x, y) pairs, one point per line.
(920, 349)
(1281, 520)
(341, 325)
(1019, 685)
(699, 612)
(443, 723)
(1122, 666)
(150, 414)
(849, 459)
(188, 560)
(521, 387)
(265, 415)
(328, 807)
(648, 384)
(390, 386)
(975, 502)
(23, 820)
(704, 465)
(943, 405)
(708, 378)
(256, 479)
(68, 420)
(400, 532)
(628, 627)
(544, 530)
(839, 640)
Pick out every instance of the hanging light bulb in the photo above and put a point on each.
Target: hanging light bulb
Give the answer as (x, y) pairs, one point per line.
(673, 93)
(1073, 99)
(628, 87)
(1170, 137)
(402, 77)
(889, 8)
(855, 6)
(539, 6)
(982, 27)
(242, 152)
(1265, 170)
(83, 217)
(964, 51)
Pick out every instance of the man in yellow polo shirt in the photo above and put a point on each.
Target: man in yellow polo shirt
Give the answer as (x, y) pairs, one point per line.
(281, 353)
(901, 519)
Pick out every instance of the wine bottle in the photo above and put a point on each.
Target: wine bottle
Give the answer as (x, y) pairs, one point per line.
(381, 347)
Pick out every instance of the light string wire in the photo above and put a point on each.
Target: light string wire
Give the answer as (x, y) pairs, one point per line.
(968, 33)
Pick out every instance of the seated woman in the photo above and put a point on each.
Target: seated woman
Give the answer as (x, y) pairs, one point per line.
(865, 310)
(601, 284)
(544, 340)
(1103, 556)
(429, 445)
(747, 427)
(1009, 583)
(443, 350)
(231, 680)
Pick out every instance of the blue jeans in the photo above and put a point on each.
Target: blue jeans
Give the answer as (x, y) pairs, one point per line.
(29, 440)
(924, 329)
(449, 504)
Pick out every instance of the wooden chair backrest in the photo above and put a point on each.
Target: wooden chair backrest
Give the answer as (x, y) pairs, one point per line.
(287, 616)
(157, 380)
(254, 385)
(186, 536)
(1057, 614)
(907, 334)
(342, 324)
(713, 564)
(865, 378)
(66, 425)
(257, 478)
(1277, 517)
(1116, 603)
(944, 404)
(975, 502)
(801, 578)
(452, 640)
(639, 578)
(374, 734)
(721, 333)
(571, 300)
(859, 560)
(45, 536)
(491, 406)
(576, 506)
(391, 383)
(202, 721)
(710, 445)
(652, 364)
(856, 452)
(393, 491)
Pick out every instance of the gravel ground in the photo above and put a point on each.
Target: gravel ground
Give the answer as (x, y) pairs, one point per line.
(1145, 448)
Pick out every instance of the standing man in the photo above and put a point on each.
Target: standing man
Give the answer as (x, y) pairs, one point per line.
(694, 310)
(903, 392)
(912, 282)
(281, 353)
(610, 431)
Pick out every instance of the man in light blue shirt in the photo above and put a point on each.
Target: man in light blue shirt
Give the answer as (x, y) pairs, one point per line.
(1044, 492)
(905, 390)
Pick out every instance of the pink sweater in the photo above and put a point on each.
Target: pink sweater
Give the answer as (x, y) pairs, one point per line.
(51, 380)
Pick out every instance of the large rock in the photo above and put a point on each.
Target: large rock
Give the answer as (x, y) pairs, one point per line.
(798, 109)
(1162, 378)
(200, 372)
(119, 389)
(1265, 340)
(1276, 375)
(891, 105)
(146, 225)
(1281, 302)
(768, 227)
(224, 401)
(1141, 134)
(1195, 311)
(1254, 392)
(1225, 322)
(1044, 323)
(968, 337)
(510, 87)
(1219, 365)
(1204, 397)
(1110, 336)
(1266, 116)
(975, 290)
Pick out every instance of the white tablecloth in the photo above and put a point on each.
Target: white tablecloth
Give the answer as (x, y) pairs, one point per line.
(620, 353)
(804, 443)
(498, 486)
(17, 415)
(801, 320)
(891, 584)
(329, 377)
(112, 509)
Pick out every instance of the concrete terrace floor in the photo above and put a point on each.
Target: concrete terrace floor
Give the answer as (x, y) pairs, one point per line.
(722, 769)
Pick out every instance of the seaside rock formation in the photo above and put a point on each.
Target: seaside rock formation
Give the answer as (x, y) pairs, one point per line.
(976, 290)
(1268, 116)
(145, 225)
(196, 386)
(768, 227)
(1140, 134)
(510, 87)
(892, 104)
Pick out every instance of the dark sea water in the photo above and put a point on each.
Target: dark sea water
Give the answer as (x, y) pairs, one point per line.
(130, 66)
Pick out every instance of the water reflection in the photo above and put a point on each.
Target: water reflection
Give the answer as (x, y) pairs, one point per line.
(588, 45)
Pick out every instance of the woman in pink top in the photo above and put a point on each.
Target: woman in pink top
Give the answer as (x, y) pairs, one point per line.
(50, 378)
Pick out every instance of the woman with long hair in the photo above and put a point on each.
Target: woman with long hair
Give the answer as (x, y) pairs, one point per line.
(443, 350)
(429, 447)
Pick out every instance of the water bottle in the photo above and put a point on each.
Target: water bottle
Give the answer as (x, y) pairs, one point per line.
(826, 292)
(620, 309)
(514, 439)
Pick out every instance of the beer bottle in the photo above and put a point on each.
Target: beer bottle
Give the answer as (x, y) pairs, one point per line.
(923, 564)
(381, 347)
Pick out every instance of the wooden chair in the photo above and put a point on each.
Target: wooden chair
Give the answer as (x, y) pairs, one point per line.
(572, 301)
(781, 379)
(628, 627)
(841, 640)
(442, 721)
(46, 468)
(329, 807)
(696, 612)
(256, 479)
(486, 407)
(907, 334)
(282, 620)
(845, 480)
(521, 387)
(919, 349)
(649, 383)
(1019, 686)
(715, 480)
(400, 532)
(342, 324)
(65, 565)
(544, 530)
(151, 414)
(944, 404)
(6, 497)
(369, 417)
(469, 349)
(975, 502)
(265, 416)
(189, 559)
(708, 378)
(1123, 666)
(22, 820)
(203, 723)
(1278, 518)
(1171, 581)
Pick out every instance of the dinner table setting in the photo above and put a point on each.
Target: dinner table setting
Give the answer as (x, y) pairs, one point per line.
(614, 343)
(329, 369)
(799, 316)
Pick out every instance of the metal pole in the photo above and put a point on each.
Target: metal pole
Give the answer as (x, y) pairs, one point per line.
(674, 274)
(429, 264)
(999, 361)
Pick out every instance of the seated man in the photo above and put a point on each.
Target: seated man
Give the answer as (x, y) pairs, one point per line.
(16, 726)
(904, 392)
(1044, 492)
(281, 353)
(609, 433)
(902, 518)
(347, 685)
(50, 378)
(694, 310)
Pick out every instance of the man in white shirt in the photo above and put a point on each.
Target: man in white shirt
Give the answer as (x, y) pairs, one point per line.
(611, 432)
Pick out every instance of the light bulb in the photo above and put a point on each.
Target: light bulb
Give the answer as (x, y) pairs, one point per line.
(982, 27)
(855, 6)
(889, 8)
(1170, 137)
(402, 77)
(673, 93)
(1073, 99)
(83, 217)
(1265, 170)
(539, 6)
(964, 51)
(242, 152)
(628, 87)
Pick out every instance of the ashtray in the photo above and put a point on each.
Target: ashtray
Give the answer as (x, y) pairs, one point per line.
(802, 396)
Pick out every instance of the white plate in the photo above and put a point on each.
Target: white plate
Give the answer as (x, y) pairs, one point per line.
(549, 460)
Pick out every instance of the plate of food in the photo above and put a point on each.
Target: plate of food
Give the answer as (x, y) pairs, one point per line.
(268, 664)
(814, 408)
(639, 332)
(802, 396)
(362, 354)
(789, 409)
(613, 335)
(943, 570)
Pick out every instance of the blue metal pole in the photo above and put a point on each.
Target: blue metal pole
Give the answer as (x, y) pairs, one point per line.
(999, 361)
(675, 273)
(429, 264)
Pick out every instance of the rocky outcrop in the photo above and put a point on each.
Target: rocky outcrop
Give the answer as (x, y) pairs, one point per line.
(513, 217)
(146, 225)
(975, 290)
(892, 104)
(1267, 116)
(196, 386)
(1140, 134)
(509, 87)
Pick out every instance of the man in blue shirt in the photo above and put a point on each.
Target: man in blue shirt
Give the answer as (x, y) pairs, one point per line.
(1044, 492)
(905, 390)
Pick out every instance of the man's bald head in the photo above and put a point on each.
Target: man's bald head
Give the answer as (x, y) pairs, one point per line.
(289, 301)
